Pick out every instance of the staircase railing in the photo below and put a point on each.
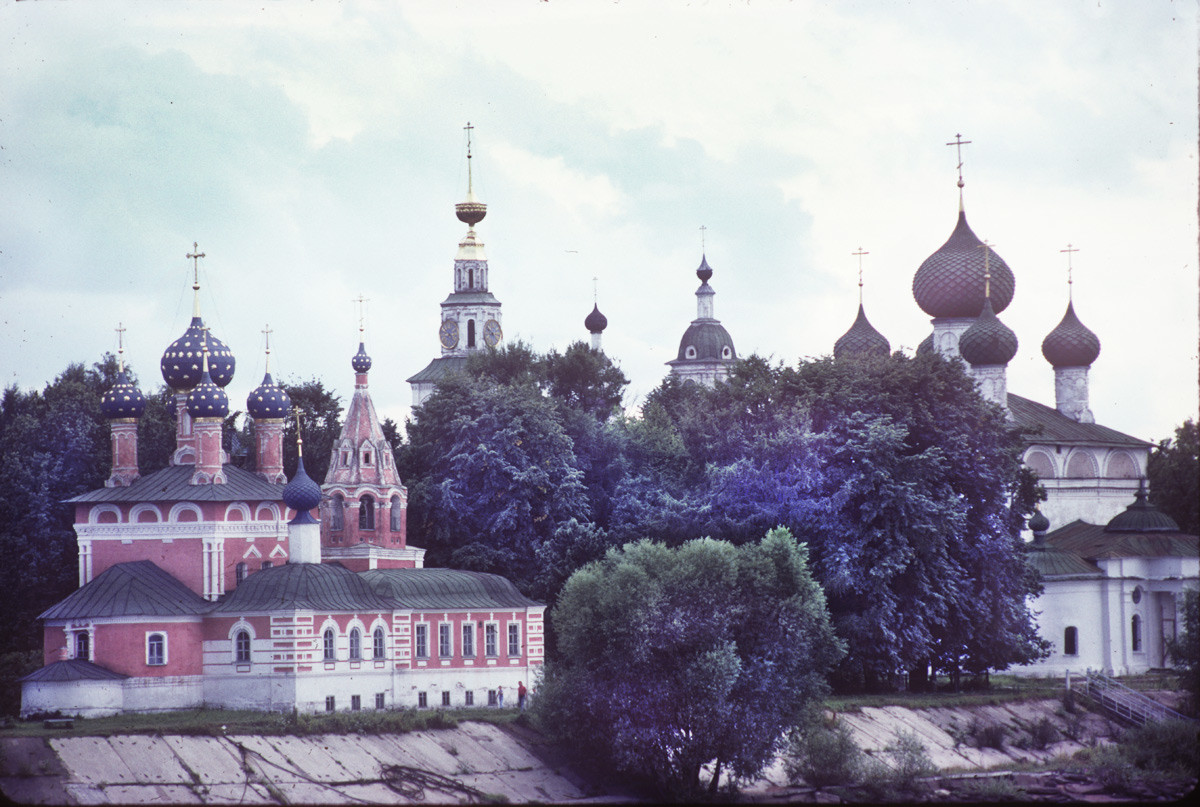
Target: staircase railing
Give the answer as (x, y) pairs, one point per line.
(1121, 701)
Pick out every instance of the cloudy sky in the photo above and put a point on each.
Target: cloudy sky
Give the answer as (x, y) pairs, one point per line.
(315, 152)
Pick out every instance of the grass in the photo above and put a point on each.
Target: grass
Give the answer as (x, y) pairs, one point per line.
(219, 722)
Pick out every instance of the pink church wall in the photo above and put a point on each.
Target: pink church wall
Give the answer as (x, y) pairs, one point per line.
(183, 558)
(122, 648)
(54, 639)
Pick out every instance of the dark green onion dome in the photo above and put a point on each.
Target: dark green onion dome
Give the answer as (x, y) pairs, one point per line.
(361, 361)
(207, 400)
(182, 360)
(302, 494)
(124, 400)
(950, 281)
(1141, 516)
(595, 322)
(926, 345)
(988, 340)
(1071, 343)
(704, 271)
(268, 400)
(706, 339)
(862, 339)
(1038, 523)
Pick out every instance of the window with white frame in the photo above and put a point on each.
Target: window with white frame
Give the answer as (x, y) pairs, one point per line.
(491, 639)
(378, 643)
(241, 647)
(83, 646)
(445, 640)
(514, 639)
(355, 644)
(468, 639)
(156, 649)
(422, 641)
(329, 646)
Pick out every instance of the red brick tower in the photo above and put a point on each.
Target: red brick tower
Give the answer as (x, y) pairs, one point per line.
(123, 405)
(268, 405)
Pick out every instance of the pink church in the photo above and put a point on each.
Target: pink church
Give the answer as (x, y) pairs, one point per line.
(203, 584)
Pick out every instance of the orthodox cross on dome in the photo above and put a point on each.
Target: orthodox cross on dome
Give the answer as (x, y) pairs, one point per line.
(596, 290)
(468, 128)
(361, 302)
(958, 143)
(267, 334)
(195, 257)
(1069, 250)
(860, 253)
(703, 230)
(299, 434)
(120, 347)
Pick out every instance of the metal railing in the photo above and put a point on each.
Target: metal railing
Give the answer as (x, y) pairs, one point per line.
(1121, 701)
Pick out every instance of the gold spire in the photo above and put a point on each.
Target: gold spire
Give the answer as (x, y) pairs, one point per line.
(120, 348)
(362, 314)
(195, 258)
(204, 361)
(1069, 250)
(860, 253)
(267, 333)
(471, 211)
(987, 271)
(958, 143)
(299, 436)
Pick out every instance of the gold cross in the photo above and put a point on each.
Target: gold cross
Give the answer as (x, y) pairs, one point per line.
(120, 347)
(958, 143)
(195, 258)
(362, 308)
(1069, 250)
(987, 272)
(860, 253)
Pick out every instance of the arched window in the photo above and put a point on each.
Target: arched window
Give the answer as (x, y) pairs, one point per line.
(330, 653)
(397, 517)
(470, 277)
(470, 333)
(356, 644)
(1040, 463)
(241, 647)
(1135, 632)
(1122, 466)
(240, 572)
(1081, 466)
(1071, 641)
(156, 649)
(366, 512)
(366, 456)
(378, 643)
(337, 516)
(83, 646)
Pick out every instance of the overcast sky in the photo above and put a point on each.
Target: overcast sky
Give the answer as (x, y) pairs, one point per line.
(315, 152)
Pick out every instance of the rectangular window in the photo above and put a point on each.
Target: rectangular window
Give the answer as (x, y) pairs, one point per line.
(156, 649)
(355, 703)
(379, 700)
(330, 703)
(469, 698)
(445, 640)
(422, 641)
(446, 698)
(468, 640)
(422, 700)
(491, 697)
(491, 639)
(266, 564)
(514, 639)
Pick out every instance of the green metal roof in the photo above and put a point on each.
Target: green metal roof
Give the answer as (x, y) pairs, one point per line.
(173, 484)
(73, 670)
(1053, 562)
(439, 368)
(303, 586)
(136, 588)
(1051, 426)
(1092, 541)
(445, 588)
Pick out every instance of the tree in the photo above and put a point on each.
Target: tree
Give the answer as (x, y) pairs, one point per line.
(321, 421)
(671, 659)
(1174, 474)
(584, 380)
(1185, 649)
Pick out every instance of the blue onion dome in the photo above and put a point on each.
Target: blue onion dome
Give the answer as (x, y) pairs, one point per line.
(361, 361)
(207, 400)
(1071, 343)
(1038, 523)
(182, 360)
(301, 493)
(595, 322)
(926, 345)
(950, 281)
(268, 400)
(1141, 516)
(862, 339)
(704, 272)
(124, 400)
(988, 340)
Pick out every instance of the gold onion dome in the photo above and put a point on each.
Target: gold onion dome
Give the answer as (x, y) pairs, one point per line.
(1071, 343)
(471, 211)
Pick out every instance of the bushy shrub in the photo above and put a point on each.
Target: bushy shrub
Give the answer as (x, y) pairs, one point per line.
(986, 735)
(1169, 746)
(995, 789)
(1042, 734)
(823, 754)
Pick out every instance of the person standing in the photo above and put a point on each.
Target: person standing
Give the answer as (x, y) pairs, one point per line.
(521, 692)
(500, 697)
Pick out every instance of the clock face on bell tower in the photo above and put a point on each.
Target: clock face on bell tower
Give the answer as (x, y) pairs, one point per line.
(448, 334)
(492, 333)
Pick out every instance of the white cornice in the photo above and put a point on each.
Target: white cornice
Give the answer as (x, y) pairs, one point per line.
(192, 529)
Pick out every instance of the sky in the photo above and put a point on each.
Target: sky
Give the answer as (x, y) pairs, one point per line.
(315, 151)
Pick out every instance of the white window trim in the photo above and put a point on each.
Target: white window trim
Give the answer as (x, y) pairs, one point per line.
(417, 630)
(165, 650)
(514, 624)
(449, 630)
(491, 624)
(469, 627)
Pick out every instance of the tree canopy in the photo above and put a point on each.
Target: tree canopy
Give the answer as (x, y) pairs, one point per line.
(671, 659)
(1174, 475)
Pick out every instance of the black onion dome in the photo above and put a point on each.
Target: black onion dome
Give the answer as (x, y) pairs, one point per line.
(950, 281)
(595, 322)
(124, 400)
(926, 345)
(268, 400)
(704, 271)
(709, 339)
(862, 339)
(361, 361)
(207, 400)
(988, 340)
(1141, 516)
(1038, 522)
(1071, 343)
(182, 361)
(301, 494)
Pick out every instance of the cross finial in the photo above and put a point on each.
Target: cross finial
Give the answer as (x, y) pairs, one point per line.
(120, 347)
(860, 253)
(195, 259)
(362, 313)
(299, 434)
(267, 333)
(468, 128)
(703, 231)
(1069, 250)
(596, 290)
(958, 143)
(987, 271)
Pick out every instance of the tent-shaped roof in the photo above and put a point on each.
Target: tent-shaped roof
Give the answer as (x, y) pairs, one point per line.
(136, 588)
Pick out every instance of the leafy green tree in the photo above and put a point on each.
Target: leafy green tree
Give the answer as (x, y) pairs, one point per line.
(321, 420)
(584, 380)
(1174, 475)
(673, 659)
(1185, 648)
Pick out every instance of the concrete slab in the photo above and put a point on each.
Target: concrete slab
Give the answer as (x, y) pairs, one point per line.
(151, 760)
(214, 760)
(492, 739)
(85, 794)
(91, 760)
